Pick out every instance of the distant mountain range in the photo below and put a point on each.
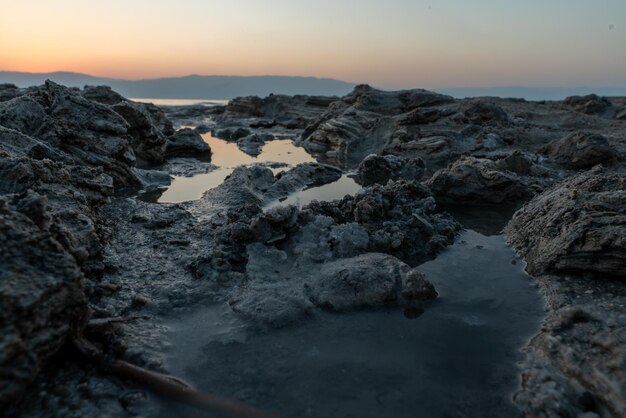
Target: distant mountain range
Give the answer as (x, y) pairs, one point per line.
(192, 86)
(228, 87)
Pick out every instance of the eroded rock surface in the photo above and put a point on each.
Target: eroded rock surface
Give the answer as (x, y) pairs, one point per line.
(580, 150)
(573, 238)
(509, 179)
(577, 226)
(380, 169)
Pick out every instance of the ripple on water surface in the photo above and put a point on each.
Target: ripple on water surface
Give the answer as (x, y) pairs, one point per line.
(456, 360)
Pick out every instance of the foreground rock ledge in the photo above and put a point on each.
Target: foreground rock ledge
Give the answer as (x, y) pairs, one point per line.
(573, 237)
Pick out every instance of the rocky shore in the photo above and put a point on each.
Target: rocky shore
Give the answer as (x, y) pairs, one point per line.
(83, 258)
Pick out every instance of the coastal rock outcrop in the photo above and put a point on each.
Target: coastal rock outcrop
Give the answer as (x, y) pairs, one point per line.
(364, 121)
(292, 112)
(509, 179)
(590, 104)
(578, 226)
(580, 150)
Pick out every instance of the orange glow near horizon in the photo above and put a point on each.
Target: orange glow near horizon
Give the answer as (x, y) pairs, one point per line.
(397, 43)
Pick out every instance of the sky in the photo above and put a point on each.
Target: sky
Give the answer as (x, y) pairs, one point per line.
(390, 43)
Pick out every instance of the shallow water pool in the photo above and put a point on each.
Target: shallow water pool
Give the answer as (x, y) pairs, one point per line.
(458, 359)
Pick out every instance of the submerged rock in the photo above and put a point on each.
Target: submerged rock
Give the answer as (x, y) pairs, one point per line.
(580, 150)
(369, 280)
(578, 226)
(380, 169)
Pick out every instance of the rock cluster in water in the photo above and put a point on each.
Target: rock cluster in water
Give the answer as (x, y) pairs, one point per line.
(75, 246)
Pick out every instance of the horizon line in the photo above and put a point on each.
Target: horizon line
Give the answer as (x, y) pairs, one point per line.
(457, 87)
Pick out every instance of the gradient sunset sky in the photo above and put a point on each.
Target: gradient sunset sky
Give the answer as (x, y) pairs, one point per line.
(392, 43)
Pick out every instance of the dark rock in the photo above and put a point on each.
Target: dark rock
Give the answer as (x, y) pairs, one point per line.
(257, 184)
(380, 169)
(23, 114)
(590, 104)
(370, 280)
(40, 292)
(90, 133)
(580, 150)
(102, 94)
(577, 226)
(148, 141)
(292, 112)
(510, 179)
(364, 122)
(8, 91)
(482, 113)
(232, 134)
(187, 142)
(399, 218)
(253, 144)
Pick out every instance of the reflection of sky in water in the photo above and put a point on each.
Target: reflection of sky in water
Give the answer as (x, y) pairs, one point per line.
(227, 157)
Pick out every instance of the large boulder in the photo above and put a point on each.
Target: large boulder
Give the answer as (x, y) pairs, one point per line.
(578, 226)
(590, 104)
(187, 142)
(509, 179)
(364, 121)
(580, 150)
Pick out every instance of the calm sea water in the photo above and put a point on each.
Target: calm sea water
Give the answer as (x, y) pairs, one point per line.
(181, 102)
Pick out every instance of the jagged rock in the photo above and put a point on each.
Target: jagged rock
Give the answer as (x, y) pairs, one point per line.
(580, 150)
(364, 121)
(577, 226)
(482, 113)
(232, 134)
(23, 114)
(253, 144)
(380, 169)
(292, 112)
(187, 142)
(399, 218)
(590, 104)
(40, 292)
(511, 179)
(148, 141)
(102, 94)
(8, 91)
(621, 115)
(90, 133)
